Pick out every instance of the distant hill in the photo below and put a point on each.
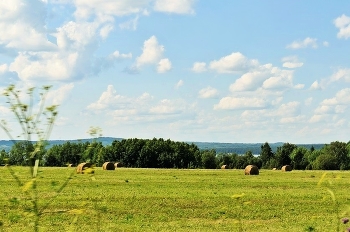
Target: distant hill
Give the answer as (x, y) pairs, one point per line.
(239, 148)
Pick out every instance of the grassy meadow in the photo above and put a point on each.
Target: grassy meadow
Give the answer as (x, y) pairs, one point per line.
(178, 200)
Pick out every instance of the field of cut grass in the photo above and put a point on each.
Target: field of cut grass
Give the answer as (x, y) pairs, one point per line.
(178, 200)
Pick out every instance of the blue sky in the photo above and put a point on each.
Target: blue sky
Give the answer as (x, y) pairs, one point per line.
(188, 70)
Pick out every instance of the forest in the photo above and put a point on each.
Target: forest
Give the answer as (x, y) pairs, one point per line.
(160, 153)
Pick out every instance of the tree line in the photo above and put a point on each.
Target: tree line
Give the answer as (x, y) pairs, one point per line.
(160, 153)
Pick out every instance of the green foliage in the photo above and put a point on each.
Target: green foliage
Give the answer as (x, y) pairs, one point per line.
(209, 159)
(266, 155)
(283, 154)
(325, 161)
(299, 159)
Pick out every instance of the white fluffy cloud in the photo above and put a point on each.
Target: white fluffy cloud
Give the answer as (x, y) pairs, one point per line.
(164, 65)
(251, 80)
(289, 109)
(341, 74)
(179, 84)
(116, 55)
(130, 25)
(152, 53)
(233, 63)
(316, 86)
(199, 67)
(236, 103)
(109, 99)
(3, 68)
(137, 109)
(343, 24)
(342, 97)
(58, 96)
(84, 9)
(178, 6)
(22, 25)
(307, 42)
(291, 62)
(208, 92)
(280, 79)
(45, 66)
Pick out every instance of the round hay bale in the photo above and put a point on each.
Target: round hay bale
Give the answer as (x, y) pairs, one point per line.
(274, 169)
(108, 166)
(70, 165)
(251, 170)
(118, 165)
(82, 167)
(286, 168)
(224, 166)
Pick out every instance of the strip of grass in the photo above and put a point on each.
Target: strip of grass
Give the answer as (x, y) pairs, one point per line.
(176, 200)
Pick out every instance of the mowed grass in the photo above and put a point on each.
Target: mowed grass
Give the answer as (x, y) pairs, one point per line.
(177, 200)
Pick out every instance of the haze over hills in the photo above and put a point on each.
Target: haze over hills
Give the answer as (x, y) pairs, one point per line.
(239, 148)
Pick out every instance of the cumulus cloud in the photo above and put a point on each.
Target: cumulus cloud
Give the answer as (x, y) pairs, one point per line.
(208, 92)
(129, 25)
(341, 74)
(116, 55)
(164, 65)
(291, 62)
(316, 86)
(166, 106)
(109, 99)
(199, 67)
(308, 101)
(251, 80)
(343, 24)
(21, 27)
(342, 97)
(3, 68)
(280, 79)
(58, 96)
(289, 109)
(307, 42)
(319, 118)
(152, 53)
(236, 103)
(45, 66)
(179, 84)
(178, 6)
(85, 9)
(233, 63)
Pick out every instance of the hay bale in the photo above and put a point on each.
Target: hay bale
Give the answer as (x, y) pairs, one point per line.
(274, 169)
(83, 166)
(118, 165)
(108, 166)
(251, 170)
(224, 166)
(70, 165)
(286, 168)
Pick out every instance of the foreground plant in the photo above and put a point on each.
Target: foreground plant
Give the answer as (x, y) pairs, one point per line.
(35, 122)
(327, 183)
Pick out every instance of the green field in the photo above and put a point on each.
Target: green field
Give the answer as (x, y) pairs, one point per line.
(178, 200)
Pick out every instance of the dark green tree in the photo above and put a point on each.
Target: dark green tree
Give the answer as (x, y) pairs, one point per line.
(266, 155)
(299, 159)
(20, 153)
(283, 154)
(209, 159)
